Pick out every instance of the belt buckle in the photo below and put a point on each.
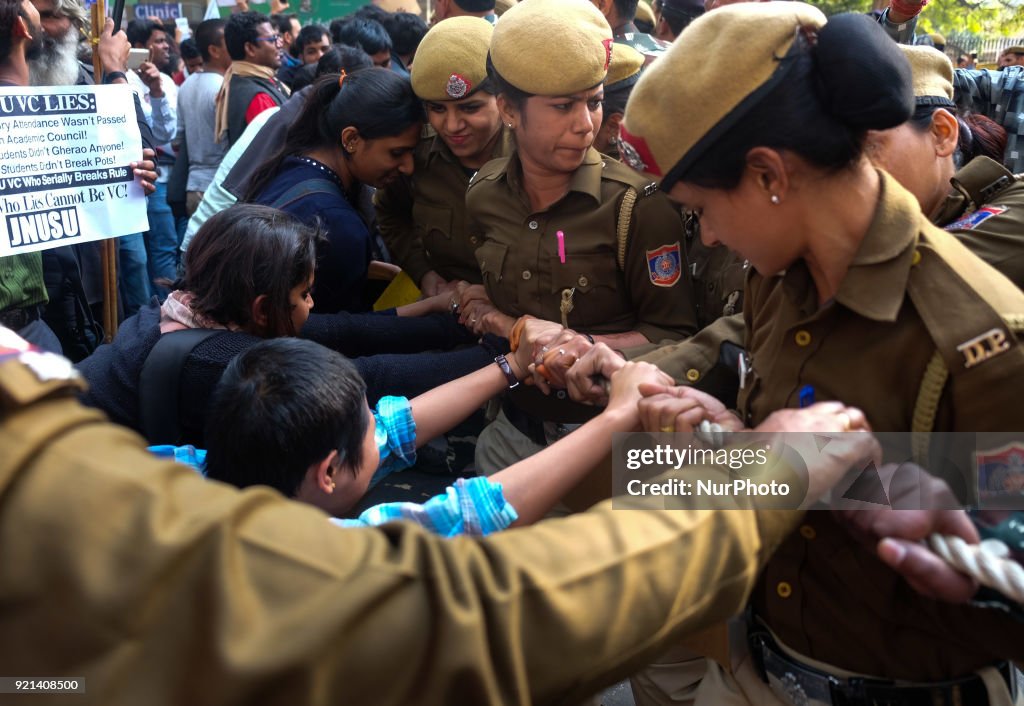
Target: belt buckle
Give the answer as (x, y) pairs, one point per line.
(796, 686)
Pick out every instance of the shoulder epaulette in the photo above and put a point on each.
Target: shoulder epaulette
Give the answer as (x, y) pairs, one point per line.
(617, 171)
(489, 172)
(942, 281)
(982, 180)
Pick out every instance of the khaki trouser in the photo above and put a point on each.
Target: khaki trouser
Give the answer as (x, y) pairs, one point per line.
(678, 677)
(500, 445)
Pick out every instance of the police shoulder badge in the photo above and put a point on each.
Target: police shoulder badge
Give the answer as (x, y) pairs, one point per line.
(973, 220)
(458, 86)
(665, 265)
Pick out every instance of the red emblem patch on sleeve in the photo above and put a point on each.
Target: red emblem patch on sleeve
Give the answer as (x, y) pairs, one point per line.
(665, 265)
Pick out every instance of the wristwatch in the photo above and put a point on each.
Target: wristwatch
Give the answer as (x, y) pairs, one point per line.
(513, 381)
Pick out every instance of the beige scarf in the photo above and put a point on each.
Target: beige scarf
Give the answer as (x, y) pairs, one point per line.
(177, 314)
(245, 69)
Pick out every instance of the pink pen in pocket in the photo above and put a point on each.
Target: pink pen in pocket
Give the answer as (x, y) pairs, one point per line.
(561, 246)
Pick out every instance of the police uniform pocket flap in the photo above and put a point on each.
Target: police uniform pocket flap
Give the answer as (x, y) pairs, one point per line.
(491, 257)
(584, 272)
(429, 217)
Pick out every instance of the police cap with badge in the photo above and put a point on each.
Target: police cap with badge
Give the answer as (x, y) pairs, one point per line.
(451, 61)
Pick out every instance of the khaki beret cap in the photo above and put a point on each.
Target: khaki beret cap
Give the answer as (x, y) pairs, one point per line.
(644, 12)
(552, 47)
(451, 61)
(1015, 49)
(666, 117)
(626, 63)
(503, 6)
(932, 72)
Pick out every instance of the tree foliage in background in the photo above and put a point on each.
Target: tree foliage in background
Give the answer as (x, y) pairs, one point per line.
(988, 18)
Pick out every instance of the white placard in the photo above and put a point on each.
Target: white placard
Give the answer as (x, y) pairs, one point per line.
(64, 175)
(182, 24)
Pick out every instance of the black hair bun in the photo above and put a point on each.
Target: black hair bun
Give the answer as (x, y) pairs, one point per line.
(864, 79)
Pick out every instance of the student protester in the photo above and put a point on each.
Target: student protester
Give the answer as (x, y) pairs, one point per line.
(197, 112)
(288, 27)
(367, 34)
(159, 97)
(234, 174)
(355, 131)
(293, 415)
(192, 58)
(422, 217)
(250, 86)
(23, 282)
(406, 31)
(248, 276)
(310, 44)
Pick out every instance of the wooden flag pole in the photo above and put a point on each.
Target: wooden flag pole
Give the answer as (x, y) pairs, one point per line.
(108, 246)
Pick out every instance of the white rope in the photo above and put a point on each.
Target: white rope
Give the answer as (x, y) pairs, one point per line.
(987, 562)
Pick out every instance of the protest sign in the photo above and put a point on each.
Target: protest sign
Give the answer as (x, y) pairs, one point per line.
(64, 174)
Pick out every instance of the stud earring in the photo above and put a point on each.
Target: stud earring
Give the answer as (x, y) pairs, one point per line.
(775, 199)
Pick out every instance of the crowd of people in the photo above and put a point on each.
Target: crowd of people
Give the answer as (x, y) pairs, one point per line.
(742, 220)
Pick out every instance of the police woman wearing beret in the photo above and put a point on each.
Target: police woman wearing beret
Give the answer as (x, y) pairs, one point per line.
(355, 131)
(985, 207)
(855, 297)
(422, 218)
(563, 233)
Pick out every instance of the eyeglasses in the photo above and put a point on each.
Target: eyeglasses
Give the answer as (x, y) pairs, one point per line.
(275, 38)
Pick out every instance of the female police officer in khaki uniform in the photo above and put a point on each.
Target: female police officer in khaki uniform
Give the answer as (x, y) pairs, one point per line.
(985, 209)
(564, 233)
(854, 296)
(422, 218)
(617, 270)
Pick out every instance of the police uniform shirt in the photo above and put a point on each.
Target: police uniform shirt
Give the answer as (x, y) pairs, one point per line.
(991, 225)
(423, 218)
(823, 594)
(158, 587)
(636, 282)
